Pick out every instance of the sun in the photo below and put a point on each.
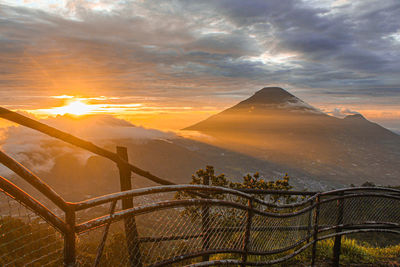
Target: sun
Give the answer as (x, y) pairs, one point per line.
(75, 108)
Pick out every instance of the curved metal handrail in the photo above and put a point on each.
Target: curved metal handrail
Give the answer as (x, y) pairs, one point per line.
(158, 189)
(176, 204)
(213, 202)
(362, 188)
(175, 188)
(238, 251)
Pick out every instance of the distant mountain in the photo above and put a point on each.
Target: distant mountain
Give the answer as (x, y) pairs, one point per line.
(275, 98)
(277, 126)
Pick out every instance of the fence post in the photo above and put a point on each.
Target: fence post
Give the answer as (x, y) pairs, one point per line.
(205, 223)
(315, 234)
(131, 233)
(338, 239)
(247, 232)
(309, 226)
(69, 239)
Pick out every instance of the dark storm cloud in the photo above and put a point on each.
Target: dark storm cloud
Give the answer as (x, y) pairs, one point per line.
(200, 48)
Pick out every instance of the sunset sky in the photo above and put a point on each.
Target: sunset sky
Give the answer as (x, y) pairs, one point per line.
(169, 64)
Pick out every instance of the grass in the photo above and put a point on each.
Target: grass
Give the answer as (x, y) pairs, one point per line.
(353, 253)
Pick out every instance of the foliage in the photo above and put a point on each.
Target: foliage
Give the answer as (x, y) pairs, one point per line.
(249, 182)
(256, 182)
(368, 184)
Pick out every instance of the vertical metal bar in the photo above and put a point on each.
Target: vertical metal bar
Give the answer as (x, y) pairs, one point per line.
(309, 227)
(315, 234)
(104, 238)
(205, 223)
(247, 232)
(69, 239)
(338, 239)
(131, 233)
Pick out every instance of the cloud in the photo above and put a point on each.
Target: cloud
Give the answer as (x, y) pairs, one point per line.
(341, 112)
(100, 128)
(38, 151)
(192, 51)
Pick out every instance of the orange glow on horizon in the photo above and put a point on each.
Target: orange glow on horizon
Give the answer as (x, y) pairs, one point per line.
(170, 115)
(149, 115)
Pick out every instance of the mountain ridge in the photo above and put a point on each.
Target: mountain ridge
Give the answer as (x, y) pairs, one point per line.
(275, 125)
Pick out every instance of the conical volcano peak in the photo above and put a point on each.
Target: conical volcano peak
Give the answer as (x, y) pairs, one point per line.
(275, 98)
(259, 109)
(272, 95)
(273, 91)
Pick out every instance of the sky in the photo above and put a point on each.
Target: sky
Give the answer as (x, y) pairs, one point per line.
(168, 64)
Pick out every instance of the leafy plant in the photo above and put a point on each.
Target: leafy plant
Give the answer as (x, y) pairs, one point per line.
(250, 181)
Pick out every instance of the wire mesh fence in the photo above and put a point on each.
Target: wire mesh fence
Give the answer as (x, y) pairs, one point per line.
(115, 252)
(193, 233)
(201, 229)
(25, 238)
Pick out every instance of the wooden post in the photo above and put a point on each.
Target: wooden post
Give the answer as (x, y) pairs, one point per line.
(205, 223)
(315, 234)
(69, 239)
(247, 233)
(131, 233)
(338, 239)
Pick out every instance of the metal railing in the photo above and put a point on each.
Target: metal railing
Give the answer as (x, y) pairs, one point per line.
(205, 226)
